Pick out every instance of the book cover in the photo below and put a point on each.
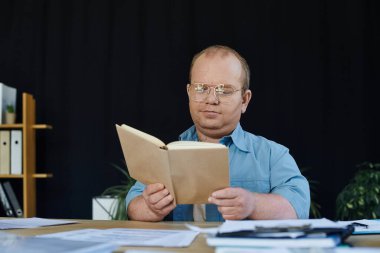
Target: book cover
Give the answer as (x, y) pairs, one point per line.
(190, 170)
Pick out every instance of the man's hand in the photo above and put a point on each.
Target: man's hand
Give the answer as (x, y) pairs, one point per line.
(154, 204)
(237, 204)
(158, 199)
(233, 203)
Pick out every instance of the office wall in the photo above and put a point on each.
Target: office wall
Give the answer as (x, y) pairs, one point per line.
(91, 64)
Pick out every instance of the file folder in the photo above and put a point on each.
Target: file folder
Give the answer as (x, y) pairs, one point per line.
(5, 163)
(16, 152)
(5, 202)
(13, 199)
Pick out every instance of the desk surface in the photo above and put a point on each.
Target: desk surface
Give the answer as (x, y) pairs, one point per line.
(199, 245)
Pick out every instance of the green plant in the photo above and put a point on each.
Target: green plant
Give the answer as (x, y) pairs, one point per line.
(360, 198)
(118, 211)
(10, 109)
(314, 206)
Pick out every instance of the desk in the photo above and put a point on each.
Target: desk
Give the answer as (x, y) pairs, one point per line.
(199, 245)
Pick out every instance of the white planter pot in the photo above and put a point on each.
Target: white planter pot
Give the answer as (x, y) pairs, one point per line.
(102, 207)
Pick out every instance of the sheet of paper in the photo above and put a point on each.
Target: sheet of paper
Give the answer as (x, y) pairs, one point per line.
(373, 226)
(288, 250)
(130, 237)
(212, 230)
(232, 225)
(356, 250)
(251, 250)
(31, 223)
(10, 243)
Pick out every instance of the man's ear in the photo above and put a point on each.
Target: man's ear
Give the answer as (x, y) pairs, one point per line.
(245, 101)
(188, 90)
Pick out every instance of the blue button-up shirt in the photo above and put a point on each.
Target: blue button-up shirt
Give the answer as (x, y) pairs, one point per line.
(257, 165)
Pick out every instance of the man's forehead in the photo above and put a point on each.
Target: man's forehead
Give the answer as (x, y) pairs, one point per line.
(220, 62)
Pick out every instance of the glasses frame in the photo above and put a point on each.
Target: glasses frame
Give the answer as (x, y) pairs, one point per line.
(215, 87)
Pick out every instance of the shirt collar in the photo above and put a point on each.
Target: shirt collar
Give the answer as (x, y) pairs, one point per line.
(237, 137)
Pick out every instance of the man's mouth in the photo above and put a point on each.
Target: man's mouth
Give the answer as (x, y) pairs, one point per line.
(210, 113)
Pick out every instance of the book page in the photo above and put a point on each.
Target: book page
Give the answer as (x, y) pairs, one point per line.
(147, 137)
(193, 145)
(146, 160)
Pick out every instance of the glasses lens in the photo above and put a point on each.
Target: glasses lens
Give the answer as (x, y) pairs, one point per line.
(200, 91)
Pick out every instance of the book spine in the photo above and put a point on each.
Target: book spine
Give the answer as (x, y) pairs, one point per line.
(4, 200)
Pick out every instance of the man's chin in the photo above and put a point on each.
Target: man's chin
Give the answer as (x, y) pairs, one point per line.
(210, 125)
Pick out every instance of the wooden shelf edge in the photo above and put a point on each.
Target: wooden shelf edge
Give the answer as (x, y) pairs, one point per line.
(43, 175)
(3, 126)
(10, 176)
(42, 126)
(20, 126)
(37, 175)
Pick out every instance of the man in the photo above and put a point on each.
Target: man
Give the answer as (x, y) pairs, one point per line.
(265, 180)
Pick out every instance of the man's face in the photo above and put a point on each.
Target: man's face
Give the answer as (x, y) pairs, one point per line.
(215, 117)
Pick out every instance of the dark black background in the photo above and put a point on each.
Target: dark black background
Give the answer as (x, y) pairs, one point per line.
(91, 64)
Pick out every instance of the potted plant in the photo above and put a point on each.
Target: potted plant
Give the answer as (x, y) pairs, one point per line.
(10, 115)
(360, 199)
(117, 210)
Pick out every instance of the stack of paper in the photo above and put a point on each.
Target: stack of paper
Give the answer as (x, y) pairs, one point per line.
(130, 237)
(10, 243)
(363, 226)
(320, 233)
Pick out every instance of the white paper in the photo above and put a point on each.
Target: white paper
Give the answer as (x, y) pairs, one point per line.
(373, 226)
(130, 237)
(10, 243)
(289, 250)
(238, 225)
(251, 250)
(356, 250)
(210, 230)
(31, 223)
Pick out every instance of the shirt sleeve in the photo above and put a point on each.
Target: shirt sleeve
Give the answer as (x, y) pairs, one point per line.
(287, 181)
(136, 190)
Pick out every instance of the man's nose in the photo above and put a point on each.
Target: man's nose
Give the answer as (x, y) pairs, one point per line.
(212, 98)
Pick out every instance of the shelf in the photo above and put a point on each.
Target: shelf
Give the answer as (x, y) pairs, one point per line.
(37, 175)
(19, 126)
(42, 126)
(30, 174)
(10, 176)
(43, 175)
(15, 126)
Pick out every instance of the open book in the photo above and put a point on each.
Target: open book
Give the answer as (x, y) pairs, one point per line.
(190, 170)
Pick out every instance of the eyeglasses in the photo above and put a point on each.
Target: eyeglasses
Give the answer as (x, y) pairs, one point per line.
(200, 91)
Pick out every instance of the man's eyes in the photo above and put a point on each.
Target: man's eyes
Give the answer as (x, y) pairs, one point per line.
(218, 89)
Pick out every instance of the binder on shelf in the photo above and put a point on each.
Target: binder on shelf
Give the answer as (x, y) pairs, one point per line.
(8, 97)
(5, 202)
(5, 159)
(13, 199)
(16, 152)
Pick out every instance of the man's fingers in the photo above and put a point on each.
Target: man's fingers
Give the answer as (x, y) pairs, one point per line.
(166, 201)
(158, 196)
(226, 193)
(222, 202)
(152, 188)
